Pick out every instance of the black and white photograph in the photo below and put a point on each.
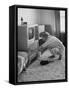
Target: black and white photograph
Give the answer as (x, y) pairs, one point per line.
(37, 44)
(41, 45)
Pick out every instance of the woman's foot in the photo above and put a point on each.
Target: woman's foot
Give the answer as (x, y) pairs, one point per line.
(45, 62)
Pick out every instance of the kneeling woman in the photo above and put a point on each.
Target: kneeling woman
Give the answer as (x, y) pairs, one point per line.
(53, 44)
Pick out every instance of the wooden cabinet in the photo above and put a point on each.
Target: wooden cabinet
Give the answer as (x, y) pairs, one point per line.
(22, 38)
(29, 45)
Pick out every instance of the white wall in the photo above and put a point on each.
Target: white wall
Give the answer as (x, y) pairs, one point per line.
(31, 16)
(48, 17)
(37, 16)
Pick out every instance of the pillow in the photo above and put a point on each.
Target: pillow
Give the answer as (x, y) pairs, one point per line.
(21, 64)
(22, 61)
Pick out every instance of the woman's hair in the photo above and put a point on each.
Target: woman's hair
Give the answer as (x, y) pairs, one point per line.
(44, 34)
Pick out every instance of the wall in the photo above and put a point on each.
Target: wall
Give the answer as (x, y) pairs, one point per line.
(37, 16)
(48, 17)
(31, 16)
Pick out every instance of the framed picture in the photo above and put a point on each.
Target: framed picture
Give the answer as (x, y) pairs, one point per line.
(37, 44)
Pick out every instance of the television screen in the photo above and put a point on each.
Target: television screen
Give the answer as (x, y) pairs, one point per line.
(31, 33)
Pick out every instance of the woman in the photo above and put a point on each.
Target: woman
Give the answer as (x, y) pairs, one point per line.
(53, 44)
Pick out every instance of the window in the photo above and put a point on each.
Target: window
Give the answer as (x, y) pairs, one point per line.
(62, 21)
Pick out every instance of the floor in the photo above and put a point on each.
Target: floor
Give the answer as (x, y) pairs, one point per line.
(52, 71)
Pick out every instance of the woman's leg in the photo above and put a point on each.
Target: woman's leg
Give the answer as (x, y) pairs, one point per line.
(55, 54)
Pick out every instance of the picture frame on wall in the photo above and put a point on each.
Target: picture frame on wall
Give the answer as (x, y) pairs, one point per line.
(37, 44)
